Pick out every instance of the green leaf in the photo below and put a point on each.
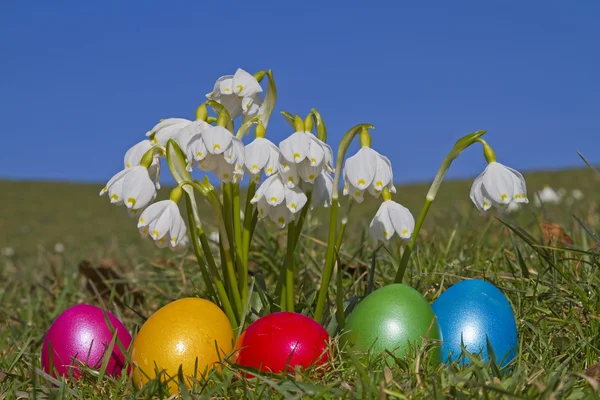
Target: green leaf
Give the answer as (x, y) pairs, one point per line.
(289, 118)
(321, 129)
(245, 128)
(176, 161)
(270, 100)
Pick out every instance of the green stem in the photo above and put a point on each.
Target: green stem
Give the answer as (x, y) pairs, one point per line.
(242, 267)
(460, 146)
(289, 268)
(329, 258)
(409, 247)
(331, 242)
(300, 224)
(196, 232)
(208, 191)
(248, 216)
(191, 212)
(338, 244)
(227, 190)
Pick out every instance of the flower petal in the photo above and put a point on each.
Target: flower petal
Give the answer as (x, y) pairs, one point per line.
(307, 172)
(275, 193)
(381, 228)
(134, 155)
(289, 172)
(295, 199)
(138, 188)
(322, 190)
(217, 139)
(359, 170)
(295, 148)
(401, 218)
(245, 84)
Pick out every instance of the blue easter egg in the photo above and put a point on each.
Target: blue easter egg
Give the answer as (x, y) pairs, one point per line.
(470, 311)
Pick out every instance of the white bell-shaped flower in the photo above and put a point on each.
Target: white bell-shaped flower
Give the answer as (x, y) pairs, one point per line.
(391, 218)
(162, 221)
(277, 201)
(261, 155)
(308, 153)
(367, 170)
(132, 187)
(190, 133)
(134, 155)
(498, 185)
(219, 151)
(322, 191)
(547, 196)
(238, 93)
(167, 129)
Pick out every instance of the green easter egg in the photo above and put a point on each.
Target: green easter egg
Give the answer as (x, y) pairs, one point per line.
(392, 318)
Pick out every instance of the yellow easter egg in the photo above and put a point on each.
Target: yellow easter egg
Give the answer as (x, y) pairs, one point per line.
(182, 333)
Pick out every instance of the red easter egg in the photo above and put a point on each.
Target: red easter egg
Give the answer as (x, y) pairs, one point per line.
(280, 340)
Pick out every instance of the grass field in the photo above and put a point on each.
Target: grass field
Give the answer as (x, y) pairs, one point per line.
(552, 284)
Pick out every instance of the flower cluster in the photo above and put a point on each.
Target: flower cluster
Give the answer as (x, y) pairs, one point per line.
(298, 171)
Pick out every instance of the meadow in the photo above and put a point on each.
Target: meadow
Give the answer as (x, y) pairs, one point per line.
(62, 244)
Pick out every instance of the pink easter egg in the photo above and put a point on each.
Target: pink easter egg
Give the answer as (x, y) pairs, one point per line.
(82, 333)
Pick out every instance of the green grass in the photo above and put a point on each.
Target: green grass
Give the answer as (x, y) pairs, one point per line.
(555, 292)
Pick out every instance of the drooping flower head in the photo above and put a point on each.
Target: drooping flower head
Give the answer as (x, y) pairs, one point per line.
(498, 185)
(367, 170)
(277, 201)
(167, 129)
(391, 218)
(238, 93)
(162, 221)
(261, 155)
(132, 187)
(303, 156)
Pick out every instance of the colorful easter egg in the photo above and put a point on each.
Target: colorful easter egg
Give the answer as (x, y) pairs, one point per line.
(394, 318)
(281, 341)
(82, 334)
(471, 311)
(186, 333)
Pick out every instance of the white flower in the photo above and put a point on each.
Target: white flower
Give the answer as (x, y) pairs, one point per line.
(367, 170)
(59, 248)
(513, 206)
(132, 187)
(164, 224)
(498, 185)
(167, 129)
(547, 195)
(189, 133)
(577, 194)
(134, 155)
(214, 236)
(322, 191)
(261, 155)
(308, 153)
(237, 93)
(224, 156)
(8, 252)
(391, 218)
(277, 201)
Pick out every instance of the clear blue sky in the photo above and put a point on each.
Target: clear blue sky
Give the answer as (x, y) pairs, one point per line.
(82, 81)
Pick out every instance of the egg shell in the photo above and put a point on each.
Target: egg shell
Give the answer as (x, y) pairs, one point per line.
(281, 341)
(176, 335)
(82, 332)
(394, 318)
(473, 309)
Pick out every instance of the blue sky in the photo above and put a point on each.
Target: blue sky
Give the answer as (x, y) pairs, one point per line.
(80, 82)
